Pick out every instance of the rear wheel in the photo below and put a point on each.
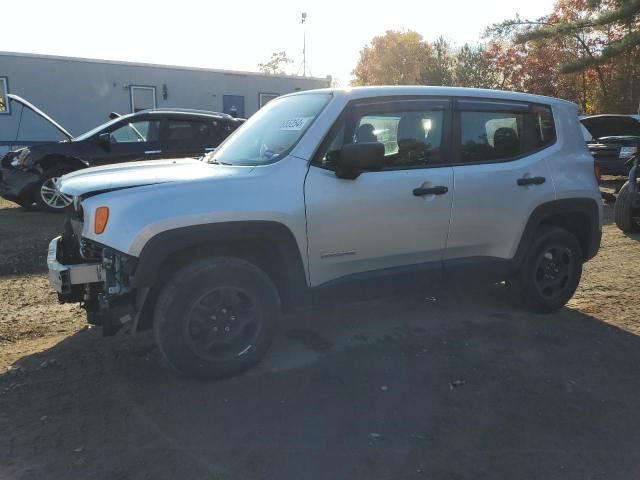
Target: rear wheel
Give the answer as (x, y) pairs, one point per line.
(624, 212)
(46, 194)
(216, 317)
(550, 272)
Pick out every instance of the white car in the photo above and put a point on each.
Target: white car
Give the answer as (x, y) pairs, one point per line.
(331, 194)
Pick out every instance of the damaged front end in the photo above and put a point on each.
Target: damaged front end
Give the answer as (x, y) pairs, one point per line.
(97, 277)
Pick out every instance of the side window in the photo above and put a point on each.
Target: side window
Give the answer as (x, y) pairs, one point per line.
(144, 131)
(180, 130)
(192, 132)
(492, 136)
(4, 101)
(411, 138)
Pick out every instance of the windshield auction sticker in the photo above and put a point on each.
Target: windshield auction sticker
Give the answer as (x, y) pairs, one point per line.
(294, 123)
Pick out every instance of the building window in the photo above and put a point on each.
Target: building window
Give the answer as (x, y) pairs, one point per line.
(142, 98)
(266, 98)
(233, 105)
(4, 101)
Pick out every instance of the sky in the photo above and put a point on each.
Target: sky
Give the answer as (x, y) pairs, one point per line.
(237, 35)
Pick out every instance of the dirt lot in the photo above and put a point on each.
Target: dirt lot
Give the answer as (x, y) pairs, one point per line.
(459, 385)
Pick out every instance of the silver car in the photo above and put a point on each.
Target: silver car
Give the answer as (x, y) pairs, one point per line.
(326, 195)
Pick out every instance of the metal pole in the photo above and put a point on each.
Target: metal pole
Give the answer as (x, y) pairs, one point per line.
(304, 45)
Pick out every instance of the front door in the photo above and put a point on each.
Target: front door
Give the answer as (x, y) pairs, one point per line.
(383, 220)
(130, 141)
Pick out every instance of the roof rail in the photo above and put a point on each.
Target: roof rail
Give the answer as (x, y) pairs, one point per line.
(186, 110)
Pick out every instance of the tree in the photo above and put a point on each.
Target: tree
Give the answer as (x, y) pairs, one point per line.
(474, 68)
(593, 44)
(275, 64)
(438, 68)
(622, 16)
(395, 58)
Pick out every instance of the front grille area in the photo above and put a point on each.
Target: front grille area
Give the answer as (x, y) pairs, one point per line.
(91, 250)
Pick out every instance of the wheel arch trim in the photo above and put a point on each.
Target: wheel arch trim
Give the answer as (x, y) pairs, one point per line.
(273, 235)
(555, 208)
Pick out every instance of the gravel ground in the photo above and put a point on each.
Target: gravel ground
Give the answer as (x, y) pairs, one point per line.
(460, 385)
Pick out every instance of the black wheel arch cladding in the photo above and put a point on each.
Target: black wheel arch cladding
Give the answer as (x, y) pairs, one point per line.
(270, 245)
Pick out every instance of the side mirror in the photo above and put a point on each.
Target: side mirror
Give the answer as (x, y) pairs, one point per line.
(104, 140)
(355, 158)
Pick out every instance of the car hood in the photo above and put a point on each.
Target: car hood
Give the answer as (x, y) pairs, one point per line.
(40, 113)
(135, 174)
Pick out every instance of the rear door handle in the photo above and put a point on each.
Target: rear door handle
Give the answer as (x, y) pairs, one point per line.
(422, 191)
(152, 152)
(524, 181)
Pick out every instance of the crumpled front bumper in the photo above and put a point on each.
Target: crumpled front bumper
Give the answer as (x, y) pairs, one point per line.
(63, 277)
(17, 185)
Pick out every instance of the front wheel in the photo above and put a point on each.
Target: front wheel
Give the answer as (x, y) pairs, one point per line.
(550, 272)
(47, 195)
(216, 317)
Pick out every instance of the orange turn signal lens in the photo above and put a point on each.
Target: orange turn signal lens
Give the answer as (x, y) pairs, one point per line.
(102, 217)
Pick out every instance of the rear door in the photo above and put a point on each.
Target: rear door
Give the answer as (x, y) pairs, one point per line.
(190, 137)
(501, 175)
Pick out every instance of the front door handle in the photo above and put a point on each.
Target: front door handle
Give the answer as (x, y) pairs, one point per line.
(422, 191)
(524, 181)
(152, 152)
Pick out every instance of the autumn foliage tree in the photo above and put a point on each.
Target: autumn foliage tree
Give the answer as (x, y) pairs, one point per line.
(585, 51)
(395, 58)
(405, 58)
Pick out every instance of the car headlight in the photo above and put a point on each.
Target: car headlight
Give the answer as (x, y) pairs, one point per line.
(23, 159)
(627, 152)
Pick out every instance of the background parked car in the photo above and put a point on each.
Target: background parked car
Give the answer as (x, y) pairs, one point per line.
(612, 140)
(31, 174)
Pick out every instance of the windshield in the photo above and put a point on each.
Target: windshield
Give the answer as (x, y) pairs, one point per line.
(99, 128)
(272, 132)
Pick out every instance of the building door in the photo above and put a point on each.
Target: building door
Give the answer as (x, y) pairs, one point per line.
(231, 103)
(142, 98)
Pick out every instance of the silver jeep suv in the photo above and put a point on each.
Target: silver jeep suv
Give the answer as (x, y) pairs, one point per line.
(331, 194)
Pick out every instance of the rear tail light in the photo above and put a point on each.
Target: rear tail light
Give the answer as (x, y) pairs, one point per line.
(597, 173)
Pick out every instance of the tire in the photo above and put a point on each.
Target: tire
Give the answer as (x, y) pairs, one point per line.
(44, 194)
(623, 211)
(216, 317)
(550, 272)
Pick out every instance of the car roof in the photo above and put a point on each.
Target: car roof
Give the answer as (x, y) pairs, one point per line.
(391, 91)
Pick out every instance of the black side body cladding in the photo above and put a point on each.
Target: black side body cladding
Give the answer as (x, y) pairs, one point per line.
(272, 246)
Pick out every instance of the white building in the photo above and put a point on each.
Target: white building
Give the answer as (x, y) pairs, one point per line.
(80, 93)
